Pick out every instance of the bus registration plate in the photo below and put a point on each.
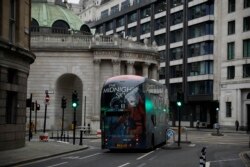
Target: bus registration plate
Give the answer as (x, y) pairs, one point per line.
(121, 145)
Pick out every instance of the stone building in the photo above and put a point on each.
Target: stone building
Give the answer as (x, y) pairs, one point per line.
(69, 60)
(204, 51)
(15, 60)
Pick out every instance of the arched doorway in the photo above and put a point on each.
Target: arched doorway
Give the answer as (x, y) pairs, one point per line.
(65, 85)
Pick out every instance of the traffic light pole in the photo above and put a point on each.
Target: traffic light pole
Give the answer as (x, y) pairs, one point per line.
(45, 115)
(35, 115)
(62, 121)
(30, 132)
(74, 126)
(179, 126)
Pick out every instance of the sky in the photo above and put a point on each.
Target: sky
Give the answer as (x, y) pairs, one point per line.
(73, 1)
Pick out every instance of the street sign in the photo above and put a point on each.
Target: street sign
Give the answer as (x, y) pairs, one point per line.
(170, 133)
(46, 100)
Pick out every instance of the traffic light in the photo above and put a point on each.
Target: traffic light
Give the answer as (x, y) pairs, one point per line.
(180, 99)
(64, 102)
(37, 107)
(74, 99)
(32, 106)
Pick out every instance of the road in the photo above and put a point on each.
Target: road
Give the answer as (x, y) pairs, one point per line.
(222, 151)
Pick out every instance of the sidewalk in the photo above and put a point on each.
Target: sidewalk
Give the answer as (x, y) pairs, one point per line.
(36, 150)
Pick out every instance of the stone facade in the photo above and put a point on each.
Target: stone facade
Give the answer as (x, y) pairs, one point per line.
(15, 60)
(82, 62)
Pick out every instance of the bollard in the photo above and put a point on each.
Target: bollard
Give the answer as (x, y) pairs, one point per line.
(64, 137)
(57, 136)
(68, 136)
(80, 137)
(203, 157)
(52, 136)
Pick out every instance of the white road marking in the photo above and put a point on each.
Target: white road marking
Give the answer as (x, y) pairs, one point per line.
(89, 156)
(224, 160)
(57, 164)
(144, 155)
(207, 164)
(124, 164)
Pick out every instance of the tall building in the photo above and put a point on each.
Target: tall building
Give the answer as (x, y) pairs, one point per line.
(235, 62)
(69, 58)
(192, 41)
(15, 60)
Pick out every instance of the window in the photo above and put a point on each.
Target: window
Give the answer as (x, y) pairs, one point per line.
(230, 51)
(246, 23)
(176, 53)
(132, 17)
(12, 21)
(246, 70)
(202, 29)
(146, 12)
(246, 48)
(60, 27)
(231, 6)
(135, 2)
(200, 68)
(114, 9)
(160, 39)
(246, 3)
(162, 73)
(132, 32)
(177, 18)
(199, 49)
(230, 72)
(160, 23)
(176, 71)
(162, 55)
(145, 28)
(176, 36)
(125, 4)
(200, 10)
(160, 6)
(228, 109)
(109, 26)
(120, 22)
(200, 88)
(174, 3)
(231, 27)
(100, 29)
(104, 13)
(11, 107)
(34, 26)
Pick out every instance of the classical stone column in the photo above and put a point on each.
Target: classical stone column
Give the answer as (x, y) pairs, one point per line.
(145, 69)
(154, 72)
(96, 104)
(130, 67)
(116, 67)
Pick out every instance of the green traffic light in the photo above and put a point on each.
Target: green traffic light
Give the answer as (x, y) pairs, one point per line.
(179, 103)
(74, 105)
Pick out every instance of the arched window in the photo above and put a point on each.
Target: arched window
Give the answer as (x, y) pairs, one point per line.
(248, 96)
(85, 29)
(34, 25)
(60, 27)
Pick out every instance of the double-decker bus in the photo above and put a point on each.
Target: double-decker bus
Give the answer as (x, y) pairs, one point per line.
(134, 113)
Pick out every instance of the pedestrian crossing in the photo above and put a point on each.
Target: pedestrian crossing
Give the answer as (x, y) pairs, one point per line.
(240, 139)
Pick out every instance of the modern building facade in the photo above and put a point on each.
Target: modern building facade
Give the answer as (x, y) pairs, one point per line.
(235, 62)
(193, 38)
(69, 60)
(15, 60)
